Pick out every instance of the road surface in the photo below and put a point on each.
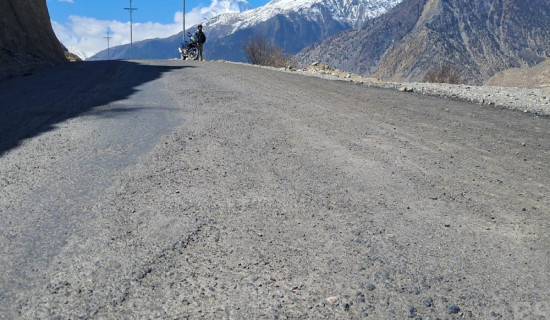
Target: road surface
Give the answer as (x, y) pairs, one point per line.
(170, 190)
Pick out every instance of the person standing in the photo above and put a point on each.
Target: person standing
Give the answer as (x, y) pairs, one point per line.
(201, 39)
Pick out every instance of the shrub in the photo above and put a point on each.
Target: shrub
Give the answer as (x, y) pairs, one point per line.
(259, 51)
(443, 74)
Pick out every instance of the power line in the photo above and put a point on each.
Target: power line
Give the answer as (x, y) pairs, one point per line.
(131, 10)
(108, 46)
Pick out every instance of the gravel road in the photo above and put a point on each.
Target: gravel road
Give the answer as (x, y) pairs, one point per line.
(173, 190)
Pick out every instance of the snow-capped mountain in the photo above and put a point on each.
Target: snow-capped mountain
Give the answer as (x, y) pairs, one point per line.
(351, 12)
(474, 39)
(79, 53)
(289, 24)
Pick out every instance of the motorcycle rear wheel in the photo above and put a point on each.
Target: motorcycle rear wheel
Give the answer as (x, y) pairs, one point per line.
(193, 53)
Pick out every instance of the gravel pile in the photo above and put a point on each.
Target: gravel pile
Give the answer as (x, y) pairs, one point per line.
(535, 101)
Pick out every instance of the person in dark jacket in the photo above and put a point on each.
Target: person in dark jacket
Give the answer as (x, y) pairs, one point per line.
(201, 39)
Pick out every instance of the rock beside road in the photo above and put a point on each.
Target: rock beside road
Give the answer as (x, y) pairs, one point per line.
(27, 39)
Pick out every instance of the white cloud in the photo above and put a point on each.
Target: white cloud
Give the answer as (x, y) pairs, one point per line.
(69, 1)
(217, 7)
(84, 36)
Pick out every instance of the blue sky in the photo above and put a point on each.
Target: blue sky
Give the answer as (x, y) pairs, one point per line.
(161, 11)
(81, 24)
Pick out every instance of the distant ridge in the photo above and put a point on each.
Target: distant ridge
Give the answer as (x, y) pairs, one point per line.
(534, 77)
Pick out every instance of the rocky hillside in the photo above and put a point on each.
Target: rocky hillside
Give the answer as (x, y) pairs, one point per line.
(27, 40)
(534, 77)
(288, 24)
(474, 38)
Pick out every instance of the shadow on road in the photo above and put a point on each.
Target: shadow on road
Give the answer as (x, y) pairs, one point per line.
(35, 104)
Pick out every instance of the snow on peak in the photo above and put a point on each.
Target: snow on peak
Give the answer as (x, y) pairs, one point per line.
(289, 4)
(218, 7)
(230, 5)
(351, 12)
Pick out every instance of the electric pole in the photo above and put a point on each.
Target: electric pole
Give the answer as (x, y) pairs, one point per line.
(108, 46)
(183, 21)
(131, 10)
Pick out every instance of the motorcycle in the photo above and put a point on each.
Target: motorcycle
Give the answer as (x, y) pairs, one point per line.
(189, 49)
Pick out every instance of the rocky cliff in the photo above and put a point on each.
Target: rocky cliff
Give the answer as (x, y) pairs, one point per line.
(475, 38)
(27, 40)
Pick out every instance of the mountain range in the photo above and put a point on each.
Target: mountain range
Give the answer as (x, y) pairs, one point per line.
(473, 38)
(289, 24)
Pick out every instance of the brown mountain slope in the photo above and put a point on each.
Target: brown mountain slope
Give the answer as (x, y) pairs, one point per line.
(27, 40)
(360, 50)
(476, 38)
(534, 77)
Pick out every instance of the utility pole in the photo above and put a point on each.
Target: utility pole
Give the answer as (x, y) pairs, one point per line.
(108, 46)
(183, 21)
(131, 29)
